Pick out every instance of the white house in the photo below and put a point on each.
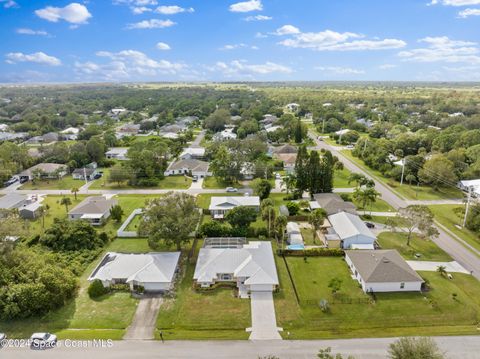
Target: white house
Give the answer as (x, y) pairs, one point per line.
(188, 166)
(154, 272)
(251, 266)
(293, 107)
(81, 173)
(226, 134)
(70, 133)
(294, 235)
(45, 170)
(192, 152)
(470, 185)
(94, 209)
(352, 231)
(117, 153)
(219, 206)
(383, 271)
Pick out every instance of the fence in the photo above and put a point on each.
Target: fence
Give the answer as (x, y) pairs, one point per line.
(129, 234)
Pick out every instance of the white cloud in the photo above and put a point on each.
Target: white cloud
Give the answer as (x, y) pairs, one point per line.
(334, 41)
(151, 24)
(141, 61)
(287, 30)
(247, 6)
(138, 10)
(443, 49)
(259, 35)
(7, 4)
(387, 66)
(337, 70)
(37, 57)
(240, 68)
(163, 46)
(469, 12)
(73, 13)
(27, 31)
(455, 2)
(172, 10)
(258, 18)
(238, 46)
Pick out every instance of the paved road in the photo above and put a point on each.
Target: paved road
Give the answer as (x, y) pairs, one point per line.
(455, 348)
(143, 323)
(452, 246)
(450, 267)
(198, 139)
(264, 322)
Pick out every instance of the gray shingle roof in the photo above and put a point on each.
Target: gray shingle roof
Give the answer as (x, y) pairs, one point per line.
(332, 203)
(382, 266)
(93, 205)
(190, 164)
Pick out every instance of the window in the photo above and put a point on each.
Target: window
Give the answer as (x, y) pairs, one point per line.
(226, 277)
(402, 285)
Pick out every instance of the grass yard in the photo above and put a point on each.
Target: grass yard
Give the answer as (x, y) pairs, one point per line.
(399, 222)
(65, 183)
(352, 315)
(428, 250)
(340, 180)
(169, 182)
(378, 206)
(451, 216)
(200, 315)
(215, 183)
(406, 191)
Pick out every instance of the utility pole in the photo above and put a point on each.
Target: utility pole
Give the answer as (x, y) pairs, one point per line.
(85, 175)
(365, 146)
(468, 205)
(403, 170)
(341, 134)
(323, 126)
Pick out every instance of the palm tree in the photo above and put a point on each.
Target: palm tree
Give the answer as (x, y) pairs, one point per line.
(66, 202)
(280, 224)
(366, 196)
(74, 191)
(289, 182)
(268, 214)
(315, 219)
(442, 270)
(356, 178)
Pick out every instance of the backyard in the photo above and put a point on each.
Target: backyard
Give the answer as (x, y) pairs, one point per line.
(352, 314)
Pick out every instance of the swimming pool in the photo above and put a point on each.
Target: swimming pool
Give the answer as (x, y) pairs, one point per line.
(296, 247)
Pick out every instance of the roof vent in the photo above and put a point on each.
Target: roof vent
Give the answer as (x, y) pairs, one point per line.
(385, 260)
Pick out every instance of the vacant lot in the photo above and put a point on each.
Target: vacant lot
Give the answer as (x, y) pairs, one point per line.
(353, 315)
(65, 183)
(170, 182)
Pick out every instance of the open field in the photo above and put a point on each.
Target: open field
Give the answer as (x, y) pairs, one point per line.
(340, 179)
(426, 248)
(353, 315)
(169, 182)
(406, 191)
(215, 183)
(65, 183)
(378, 206)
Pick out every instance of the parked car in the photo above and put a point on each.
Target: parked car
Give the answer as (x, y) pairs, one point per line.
(231, 189)
(97, 176)
(23, 179)
(195, 178)
(350, 147)
(278, 176)
(43, 340)
(369, 225)
(10, 181)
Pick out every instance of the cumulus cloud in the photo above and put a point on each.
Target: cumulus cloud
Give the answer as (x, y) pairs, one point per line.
(163, 46)
(7, 4)
(238, 46)
(27, 31)
(247, 6)
(37, 57)
(172, 10)
(287, 30)
(329, 40)
(455, 2)
(73, 13)
(258, 18)
(443, 49)
(240, 68)
(337, 70)
(469, 12)
(151, 24)
(138, 10)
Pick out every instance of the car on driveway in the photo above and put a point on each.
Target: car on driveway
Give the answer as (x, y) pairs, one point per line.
(369, 225)
(231, 189)
(43, 340)
(97, 176)
(10, 182)
(278, 176)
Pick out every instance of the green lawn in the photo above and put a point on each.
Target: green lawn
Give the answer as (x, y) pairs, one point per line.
(340, 180)
(351, 315)
(215, 183)
(169, 182)
(451, 216)
(65, 183)
(399, 222)
(406, 191)
(378, 206)
(199, 315)
(428, 250)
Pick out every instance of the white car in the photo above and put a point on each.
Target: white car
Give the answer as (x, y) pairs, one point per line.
(43, 340)
(3, 336)
(231, 189)
(278, 176)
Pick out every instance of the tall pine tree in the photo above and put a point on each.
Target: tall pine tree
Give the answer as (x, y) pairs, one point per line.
(327, 172)
(301, 170)
(298, 132)
(315, 174)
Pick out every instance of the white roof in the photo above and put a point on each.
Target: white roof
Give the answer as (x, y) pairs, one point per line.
(144, 268)
(273, 128)
(362, 246)
(254, 261)
(292, 227)
(314, 205)
(117, 151)
(342, 132)
(347, 225)
(296, 238)
(194, 151)
(225, 203)
(72, 130)
(474, 184)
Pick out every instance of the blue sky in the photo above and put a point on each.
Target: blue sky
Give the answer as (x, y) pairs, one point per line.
(220, 40)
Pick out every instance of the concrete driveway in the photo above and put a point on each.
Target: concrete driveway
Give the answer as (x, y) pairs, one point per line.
(143, 324)
(264, 322)
(453, 267)
(197, 185)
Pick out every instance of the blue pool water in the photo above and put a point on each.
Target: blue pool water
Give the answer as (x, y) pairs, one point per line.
(296, 247)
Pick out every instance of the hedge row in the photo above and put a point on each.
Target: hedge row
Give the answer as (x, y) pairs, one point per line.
(314, 252)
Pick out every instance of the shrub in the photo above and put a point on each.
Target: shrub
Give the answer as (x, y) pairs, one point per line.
(214, 229)
(293, 208)
(96, 289)
(147, 182)
(314, 252)
(345, 197)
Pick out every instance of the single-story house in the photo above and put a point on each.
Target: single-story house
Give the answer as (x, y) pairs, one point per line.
(288, 160)
(81, 173)
(186, 167)
(30, 211)
(45, 170)
(284, 149)
(226, 134)
(154, 272)
(294, 235)
(268, 119)
(332, 203)
(383, 271)
(192, 153)
(169, 135)
(94, 209)
(251, 266)
(117, 153)
(46, 138)
(70, 133)
(12, 201)
(219, 206)
(270, 128)
(293, 107)
(352, 231)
